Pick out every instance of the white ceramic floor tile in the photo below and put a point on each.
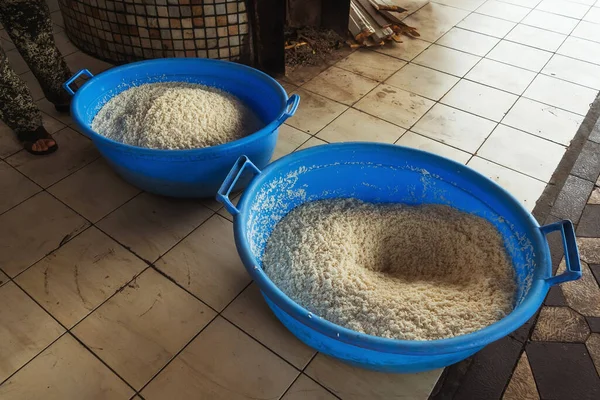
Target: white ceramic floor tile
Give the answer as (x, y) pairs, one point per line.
(289, 140)
(17, 62)
(520, 56)
(561, 94)
(356, 126)
(80, 60)
(371, 64)
(314, 112)
(572, 70)
(543, 120)
(479, 99)
(501, 76)
(33, 85)
(394, 105)
(353, 383)
(423, 81)
(65, 370)
(414, 140)
(250, 312)
(562, 7)
(551, 22)
(536, 37)
(33, 229)
(15, 186)
(525, 188)
(64, 45)
(407, 50)
(587, 30)
(312, 142)
(433, 20)
(486, 25)
(468, 41)
(447, 60)
(5, 41)
(94, 191)
(9, 144)
(498, 9)
(289, 87)
(454, 127)
(593, 14)
(523, 3)
(522, 152)
(305, 388)
(340, 85)
(469, 5)
(52, 125)
(75, 153)
(581, 49)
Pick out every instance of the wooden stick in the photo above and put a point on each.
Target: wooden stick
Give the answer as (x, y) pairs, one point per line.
(380, 5)
(373, 13)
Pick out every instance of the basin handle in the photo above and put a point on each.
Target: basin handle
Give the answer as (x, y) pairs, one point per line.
(290, 108)
(67, 84)
(230, 181)
(571, 251)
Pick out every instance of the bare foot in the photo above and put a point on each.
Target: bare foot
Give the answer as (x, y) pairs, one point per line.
(38, 142)
(42, 145)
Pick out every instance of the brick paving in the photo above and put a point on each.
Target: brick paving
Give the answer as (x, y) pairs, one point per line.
(556, 355)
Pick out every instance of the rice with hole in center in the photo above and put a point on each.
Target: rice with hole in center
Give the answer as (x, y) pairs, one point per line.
(390, 270)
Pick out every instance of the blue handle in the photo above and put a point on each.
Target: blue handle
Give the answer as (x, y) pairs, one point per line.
(290, 108)
(230, 181)
(67, 84)
(567, 231)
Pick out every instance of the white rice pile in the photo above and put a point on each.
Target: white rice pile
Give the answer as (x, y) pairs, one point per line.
(175, 115)
(394, 271)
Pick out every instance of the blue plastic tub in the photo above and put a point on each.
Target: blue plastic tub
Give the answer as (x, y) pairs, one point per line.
(387, 173)
(184, 173)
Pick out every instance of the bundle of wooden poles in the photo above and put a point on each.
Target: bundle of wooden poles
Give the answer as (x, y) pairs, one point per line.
(373, 22)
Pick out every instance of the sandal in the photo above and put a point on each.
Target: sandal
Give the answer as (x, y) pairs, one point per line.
(28, 139)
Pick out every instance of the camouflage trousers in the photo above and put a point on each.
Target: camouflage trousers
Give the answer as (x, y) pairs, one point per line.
(28, 24)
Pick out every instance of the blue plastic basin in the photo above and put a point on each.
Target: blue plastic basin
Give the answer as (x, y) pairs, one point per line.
(184, 173)
(382, 174)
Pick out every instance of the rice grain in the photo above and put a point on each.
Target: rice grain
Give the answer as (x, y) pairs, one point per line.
(404, 272)
(175, 115)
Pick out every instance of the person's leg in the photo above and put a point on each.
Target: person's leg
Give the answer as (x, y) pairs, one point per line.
(19, 112)
(28, 24)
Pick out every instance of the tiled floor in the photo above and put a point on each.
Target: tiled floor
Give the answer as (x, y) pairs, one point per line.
(501, 86)
(556, 355)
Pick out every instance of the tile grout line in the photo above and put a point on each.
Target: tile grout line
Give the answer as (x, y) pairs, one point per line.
(217, 314)
(475, 153)
(67, 331)
(435, 139)
(83, 230)
(54, 183)
(497, 122)
(523, 94)
(149, 265)
(461, 78)
(543, 215)
(314, 135)
(501, 39)
(518, 98)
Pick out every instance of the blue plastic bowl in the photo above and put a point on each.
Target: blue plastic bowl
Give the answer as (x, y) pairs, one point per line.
(184, 173)
(387, 173)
